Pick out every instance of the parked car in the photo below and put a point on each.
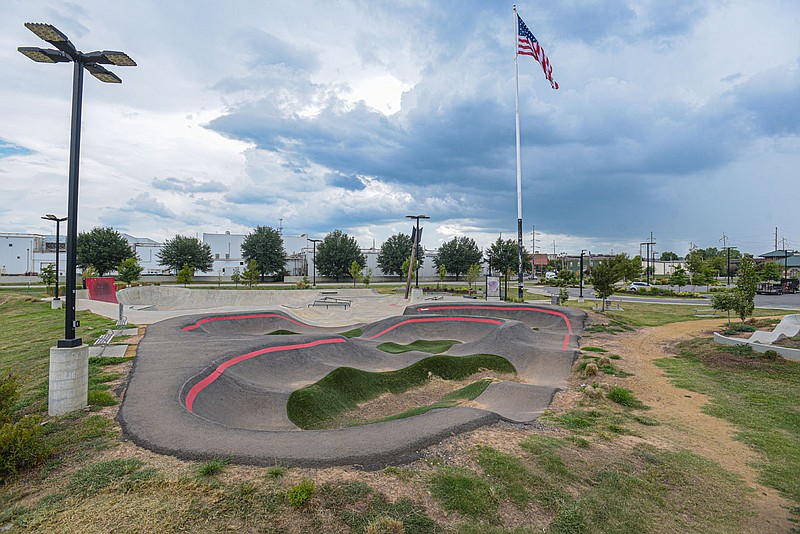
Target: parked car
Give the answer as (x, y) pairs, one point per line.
(550, 275)
(636, 286)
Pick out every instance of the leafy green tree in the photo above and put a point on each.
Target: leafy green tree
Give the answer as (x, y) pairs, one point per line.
(472, 275)
(336, 253)
(180, 251)
(771, 271)
(48, 275)
(567, 277)
(251, 273)
(395, 251)
(185, 275)
(355, 272)
(102, 248)
(505, 257)
(604, 276)
(627, 268)
(367, 276)
(236, 277)
(678, 277)
(442, 274)
(264, 245)
(724, 301)
(668, 256)
(694, 264)
(746, 287)
(129, 270)
(404, 268)
(458, 255)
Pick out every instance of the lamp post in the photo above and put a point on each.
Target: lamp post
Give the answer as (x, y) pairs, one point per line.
(314, 258)
(581, 293)
(92, 62)
(51, 217)
(414, 252)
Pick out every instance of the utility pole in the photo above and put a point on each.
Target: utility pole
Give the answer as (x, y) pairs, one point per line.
(785, 258)
(776, 238)
(581, 292)
(647, 249)
(728, 251)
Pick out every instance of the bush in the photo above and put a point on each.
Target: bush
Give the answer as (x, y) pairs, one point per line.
(301, 493)
(20, 445)
(771, 355)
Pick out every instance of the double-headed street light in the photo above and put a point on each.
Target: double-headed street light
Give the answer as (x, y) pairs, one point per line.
(414, 261)
(92, 62)
(51, 217)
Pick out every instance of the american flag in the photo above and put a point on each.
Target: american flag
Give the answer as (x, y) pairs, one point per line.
(527, 45)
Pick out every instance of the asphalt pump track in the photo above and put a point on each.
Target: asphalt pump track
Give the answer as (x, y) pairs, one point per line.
(217, 385)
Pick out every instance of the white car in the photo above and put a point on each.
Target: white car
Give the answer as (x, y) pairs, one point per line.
(636, 286)
(550, 275)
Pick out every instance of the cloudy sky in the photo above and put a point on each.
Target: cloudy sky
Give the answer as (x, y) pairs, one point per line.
(679, 118)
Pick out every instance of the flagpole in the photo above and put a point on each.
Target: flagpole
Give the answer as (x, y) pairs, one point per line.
(519, 163)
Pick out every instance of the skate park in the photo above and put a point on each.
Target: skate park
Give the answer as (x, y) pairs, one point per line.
(215, 371)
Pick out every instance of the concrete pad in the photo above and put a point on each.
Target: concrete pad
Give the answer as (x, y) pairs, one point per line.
(107, 351)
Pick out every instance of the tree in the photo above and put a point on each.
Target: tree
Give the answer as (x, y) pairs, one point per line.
(771, 271)
(627, 268)
(367, 276)
(355, 272)
(694, 264)
(395, 251)
(442, 274)
(251, 273)
(746, 287)
(185, 275)
(129, 270)
(473, 273)
(48, 275)
(604, 276)
(505, 256)
(404, 268)
(458, 255)
(724, 301)
(102, 248)
(264, 245)
(678, 277)
(668, 256)
(336, 253)
(567, 277)
(180, 251)
(236, 277)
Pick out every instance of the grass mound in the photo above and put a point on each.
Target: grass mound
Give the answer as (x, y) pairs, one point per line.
(432, 347)
(345, 387)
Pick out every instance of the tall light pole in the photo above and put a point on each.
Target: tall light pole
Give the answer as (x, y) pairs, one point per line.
(51, 217)
(92, 62)
(414, 252)
(581, 293)
(314, 259)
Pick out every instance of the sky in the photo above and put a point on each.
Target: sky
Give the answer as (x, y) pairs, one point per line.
(676, 118)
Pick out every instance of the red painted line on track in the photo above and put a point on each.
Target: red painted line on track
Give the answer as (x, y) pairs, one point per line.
(200, 386)
(436, 320)
(510, 308)
(251, 316)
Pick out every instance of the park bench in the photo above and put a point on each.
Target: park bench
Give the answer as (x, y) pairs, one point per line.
(331, 301)
(105, 339)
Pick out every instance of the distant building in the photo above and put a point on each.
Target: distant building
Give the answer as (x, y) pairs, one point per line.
(790, 260)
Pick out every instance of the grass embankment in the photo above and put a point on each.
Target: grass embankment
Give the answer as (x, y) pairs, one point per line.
(320, 405)
(646, 314)
(759, 395)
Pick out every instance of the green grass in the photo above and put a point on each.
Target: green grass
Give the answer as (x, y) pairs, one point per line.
(464, 491)
(758, 395)
(468, 392)
(211, 468)
(282, 333)
(421, 345)
(647, 314)
(594, 349)
(625, 397)
(341, 390)
(93, 478)
(355, 332)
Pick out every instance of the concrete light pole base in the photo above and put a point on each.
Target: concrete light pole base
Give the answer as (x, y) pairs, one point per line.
(69, 379)
(55, 304)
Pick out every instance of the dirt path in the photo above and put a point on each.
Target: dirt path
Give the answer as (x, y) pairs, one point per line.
(683, 424)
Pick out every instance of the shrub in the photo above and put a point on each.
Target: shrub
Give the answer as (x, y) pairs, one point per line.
(212, 467)
(771, 354)
(20, 445)
(301, 492)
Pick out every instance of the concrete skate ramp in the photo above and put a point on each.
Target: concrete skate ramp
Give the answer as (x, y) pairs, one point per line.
(214, 386)
(563, 321)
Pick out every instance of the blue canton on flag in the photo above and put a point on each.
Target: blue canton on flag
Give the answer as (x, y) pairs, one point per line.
(527, 45)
